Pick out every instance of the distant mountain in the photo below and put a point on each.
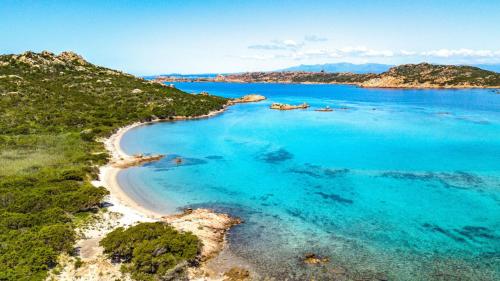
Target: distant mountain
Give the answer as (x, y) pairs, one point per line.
(341, 67)
(376, 68)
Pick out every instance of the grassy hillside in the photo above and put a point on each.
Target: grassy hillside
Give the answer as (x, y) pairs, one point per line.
(52, 109)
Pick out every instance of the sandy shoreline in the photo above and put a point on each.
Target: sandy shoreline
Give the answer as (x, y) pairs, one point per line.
(108, 173)
(122, 211)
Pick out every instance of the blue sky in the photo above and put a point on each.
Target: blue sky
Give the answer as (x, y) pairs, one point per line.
(226, 36)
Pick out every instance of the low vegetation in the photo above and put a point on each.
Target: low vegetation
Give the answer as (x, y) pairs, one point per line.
(150, 251)
(53, 110)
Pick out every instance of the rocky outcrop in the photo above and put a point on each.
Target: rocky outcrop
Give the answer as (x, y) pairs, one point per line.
(71, 57)
(248, 98)
(283, 106)
(210, 227)
(46, 58)
(135, 160)
(220, 78)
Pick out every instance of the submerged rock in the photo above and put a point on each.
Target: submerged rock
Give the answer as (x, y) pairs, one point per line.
(178, 160)
(325, 109)
(237, 274)
(313, 259)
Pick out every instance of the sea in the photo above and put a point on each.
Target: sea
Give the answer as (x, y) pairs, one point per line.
(393, 184)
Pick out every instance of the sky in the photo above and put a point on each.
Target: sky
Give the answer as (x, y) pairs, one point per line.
(153, 37)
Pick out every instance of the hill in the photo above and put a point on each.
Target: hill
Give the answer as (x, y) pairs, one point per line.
(426, 75)
(53, 109)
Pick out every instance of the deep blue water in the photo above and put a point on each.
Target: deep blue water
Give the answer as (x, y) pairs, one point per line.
(393, 184)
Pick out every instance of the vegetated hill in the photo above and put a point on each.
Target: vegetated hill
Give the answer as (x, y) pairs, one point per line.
(341, 67)
(426, 75)
(299, 77)
(421, 75)
(52, 109)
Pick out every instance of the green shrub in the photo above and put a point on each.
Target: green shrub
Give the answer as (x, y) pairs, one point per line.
(150, 250)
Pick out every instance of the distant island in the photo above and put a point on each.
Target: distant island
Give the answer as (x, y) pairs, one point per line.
(423, 75)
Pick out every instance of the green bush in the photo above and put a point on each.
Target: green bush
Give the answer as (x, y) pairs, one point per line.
(150, 250)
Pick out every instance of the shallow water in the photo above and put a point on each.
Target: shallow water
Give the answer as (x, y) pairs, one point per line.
(393, 184)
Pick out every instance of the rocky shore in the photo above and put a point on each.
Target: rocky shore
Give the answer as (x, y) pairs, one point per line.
(208, 226)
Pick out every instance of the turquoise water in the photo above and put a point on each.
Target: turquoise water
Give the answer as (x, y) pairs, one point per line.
(391, 185)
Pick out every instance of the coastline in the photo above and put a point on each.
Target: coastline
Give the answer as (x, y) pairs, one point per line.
(121, 210)
(360, 85)
(109, 172)
(108, 175)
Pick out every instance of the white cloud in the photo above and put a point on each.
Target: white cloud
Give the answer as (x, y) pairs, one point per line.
(259, 57)
(314, 38)
(447, 53)
(266, 47)
(359, 51)
(407, 53)
(301, 51)
(287, 44)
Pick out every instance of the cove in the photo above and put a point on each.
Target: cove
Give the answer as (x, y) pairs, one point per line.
(391, 185)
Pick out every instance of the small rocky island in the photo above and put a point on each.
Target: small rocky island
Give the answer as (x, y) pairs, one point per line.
(249, 98)
(324, 109)
(284, 106)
